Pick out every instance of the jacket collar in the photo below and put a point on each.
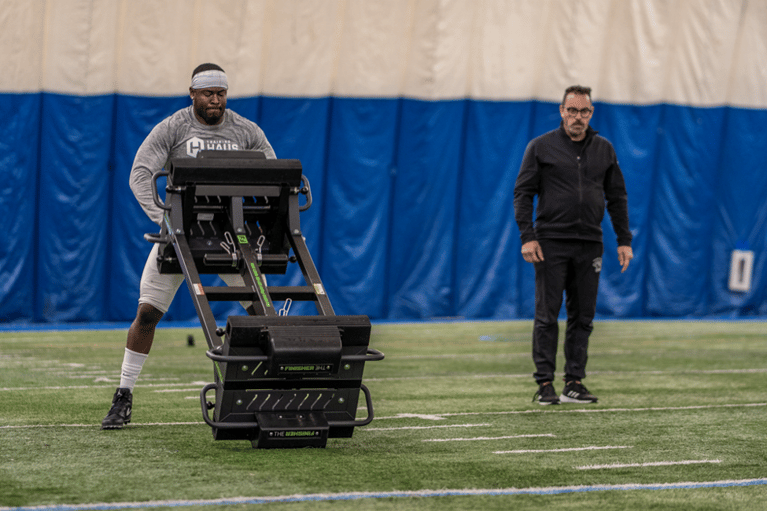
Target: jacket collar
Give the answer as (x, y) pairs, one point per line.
(590, 132)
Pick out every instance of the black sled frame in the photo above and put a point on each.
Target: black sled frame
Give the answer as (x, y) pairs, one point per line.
(280, 381)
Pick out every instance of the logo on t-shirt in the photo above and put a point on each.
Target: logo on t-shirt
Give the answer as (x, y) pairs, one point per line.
(195, 144)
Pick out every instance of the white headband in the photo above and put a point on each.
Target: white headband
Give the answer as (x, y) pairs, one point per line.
(211, 78)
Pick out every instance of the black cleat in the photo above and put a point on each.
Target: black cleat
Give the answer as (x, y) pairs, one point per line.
(546, 394)
(120, 413)
(575, 392)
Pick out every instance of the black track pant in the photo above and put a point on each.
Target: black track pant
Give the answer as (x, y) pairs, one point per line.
(571, 267)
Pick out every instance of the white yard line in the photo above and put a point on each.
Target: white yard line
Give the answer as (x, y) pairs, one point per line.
(95, 425)
(196, 389)
(487, 438)
(593, 373)
(567, 449)
(585, 410)
(648, 464)
(99, 387)
(429, 427)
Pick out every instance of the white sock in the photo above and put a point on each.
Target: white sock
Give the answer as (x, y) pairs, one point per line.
(132, 364)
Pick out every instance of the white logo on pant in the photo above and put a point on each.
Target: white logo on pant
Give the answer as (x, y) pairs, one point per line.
(597, 264)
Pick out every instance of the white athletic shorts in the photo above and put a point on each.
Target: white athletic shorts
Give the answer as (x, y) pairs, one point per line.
(158, 290)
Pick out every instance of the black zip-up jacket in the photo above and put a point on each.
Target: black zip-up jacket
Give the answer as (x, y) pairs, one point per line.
(573, 182)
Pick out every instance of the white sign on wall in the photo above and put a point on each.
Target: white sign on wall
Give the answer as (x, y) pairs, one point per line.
(741, 265)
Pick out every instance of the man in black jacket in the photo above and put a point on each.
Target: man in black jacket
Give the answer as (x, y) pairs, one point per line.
(575, 174)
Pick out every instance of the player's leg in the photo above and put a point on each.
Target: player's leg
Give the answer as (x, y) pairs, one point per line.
(581, 289)
(156, 295)
(141, 331)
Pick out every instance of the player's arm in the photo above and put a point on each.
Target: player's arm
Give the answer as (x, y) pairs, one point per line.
(150, 158)
(260, 143)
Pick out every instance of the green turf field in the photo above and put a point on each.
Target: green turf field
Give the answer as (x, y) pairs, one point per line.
(680, 425)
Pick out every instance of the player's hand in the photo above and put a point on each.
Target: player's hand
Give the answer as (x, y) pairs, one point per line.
(625, 255)
(531, 252)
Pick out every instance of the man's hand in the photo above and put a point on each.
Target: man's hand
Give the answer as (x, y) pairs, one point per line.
(532, 253)
(625, 255)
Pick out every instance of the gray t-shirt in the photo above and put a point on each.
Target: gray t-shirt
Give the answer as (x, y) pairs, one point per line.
(182, 135)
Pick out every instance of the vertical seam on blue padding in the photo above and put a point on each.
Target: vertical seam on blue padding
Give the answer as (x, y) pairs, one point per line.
(386, 305)
(111, 231)
(324, 202)
(37, 307)
(645, 282)
(454, 271)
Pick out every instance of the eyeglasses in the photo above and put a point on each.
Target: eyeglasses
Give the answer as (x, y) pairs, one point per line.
(585, 112)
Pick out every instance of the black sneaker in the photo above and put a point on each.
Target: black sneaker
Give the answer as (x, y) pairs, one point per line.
(546, 394)
(575, 392)
(120, 413)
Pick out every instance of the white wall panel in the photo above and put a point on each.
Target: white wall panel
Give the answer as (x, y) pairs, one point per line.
(438, 57)
(79, 47)
(163, 42)
(155, 40)
(698, 52)
(575, 42)
(747, 80)
(223, 32)
(634, 59)
(373, 54)
(245, 58)
(703, 35)
(22, 34)
(302, 44)
(508, 43)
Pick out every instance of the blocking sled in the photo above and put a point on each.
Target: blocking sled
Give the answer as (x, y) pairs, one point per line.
(281, 381)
